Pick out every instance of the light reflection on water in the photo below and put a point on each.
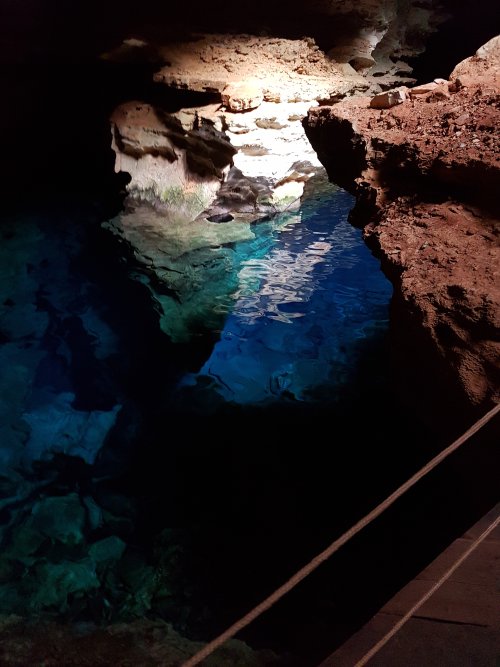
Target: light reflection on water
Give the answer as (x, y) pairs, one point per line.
(300, 310)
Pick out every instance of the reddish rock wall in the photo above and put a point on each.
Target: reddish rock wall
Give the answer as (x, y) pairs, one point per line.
(426, 173)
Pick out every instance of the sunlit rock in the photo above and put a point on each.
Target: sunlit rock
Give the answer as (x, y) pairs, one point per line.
(180, 170)
(285, 70)
(426, 176)
(265, 86)
(242, 96)
(389, 99)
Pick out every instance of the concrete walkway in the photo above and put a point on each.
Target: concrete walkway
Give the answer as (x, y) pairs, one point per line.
(459, 626)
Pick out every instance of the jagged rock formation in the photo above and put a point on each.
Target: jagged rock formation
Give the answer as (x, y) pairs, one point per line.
(283, 70)
(426, 173)
(379, 35)
(262, 87)
(40, 415)
(181, 169)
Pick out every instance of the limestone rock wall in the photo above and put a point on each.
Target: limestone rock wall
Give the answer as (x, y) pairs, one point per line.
(379, 35)
(182, 170)
(264, 85)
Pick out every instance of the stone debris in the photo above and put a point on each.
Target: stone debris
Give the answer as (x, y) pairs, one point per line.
(390, 98)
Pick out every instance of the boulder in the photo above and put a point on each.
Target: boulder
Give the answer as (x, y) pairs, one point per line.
(60, 518)
(242, 96)
(425, 88)
(481, 69)
(435, 90)
(390, 98)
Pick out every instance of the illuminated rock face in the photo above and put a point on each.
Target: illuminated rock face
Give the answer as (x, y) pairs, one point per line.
(263, 86)
(178, 169)
(426, 176)
(285, 70)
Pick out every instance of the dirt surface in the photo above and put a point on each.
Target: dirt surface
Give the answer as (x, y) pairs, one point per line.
(283, 69)
(426, 174)
(140, 643)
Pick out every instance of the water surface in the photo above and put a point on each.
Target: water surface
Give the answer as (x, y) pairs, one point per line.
(308, 293)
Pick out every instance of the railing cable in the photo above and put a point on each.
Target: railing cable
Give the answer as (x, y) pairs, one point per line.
(305, 571)
(382, 642)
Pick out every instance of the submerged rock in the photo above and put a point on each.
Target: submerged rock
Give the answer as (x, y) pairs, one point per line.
(56, 427)
(108, 550)
(52, 350)
(298, 313)
(60, 518)
(190, 267)
(58, 583)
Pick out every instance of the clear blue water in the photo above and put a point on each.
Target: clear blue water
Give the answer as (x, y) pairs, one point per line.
(120, 448)
(309, 292)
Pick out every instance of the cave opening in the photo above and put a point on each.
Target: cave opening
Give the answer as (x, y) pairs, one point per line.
(171, 502)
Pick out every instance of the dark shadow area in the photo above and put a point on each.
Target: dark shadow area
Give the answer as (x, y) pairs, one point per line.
(469, 26)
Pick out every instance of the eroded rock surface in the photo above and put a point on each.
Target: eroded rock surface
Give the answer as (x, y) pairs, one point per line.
(378, 36)
(181, 169)
(426, 174)
(284, 70)
(263, 86)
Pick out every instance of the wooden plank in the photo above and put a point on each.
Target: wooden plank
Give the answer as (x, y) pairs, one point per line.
(483, 523)
(422, 644)
(455, 601)
(459, 626)
(482, 567)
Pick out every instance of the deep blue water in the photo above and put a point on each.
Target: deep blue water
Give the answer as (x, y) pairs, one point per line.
(308, 294)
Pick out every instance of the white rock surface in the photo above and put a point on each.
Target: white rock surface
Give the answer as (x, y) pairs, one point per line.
(390, 98)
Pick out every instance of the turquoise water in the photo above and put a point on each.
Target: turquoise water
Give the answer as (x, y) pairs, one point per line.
(137, 399)
(308, 293)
